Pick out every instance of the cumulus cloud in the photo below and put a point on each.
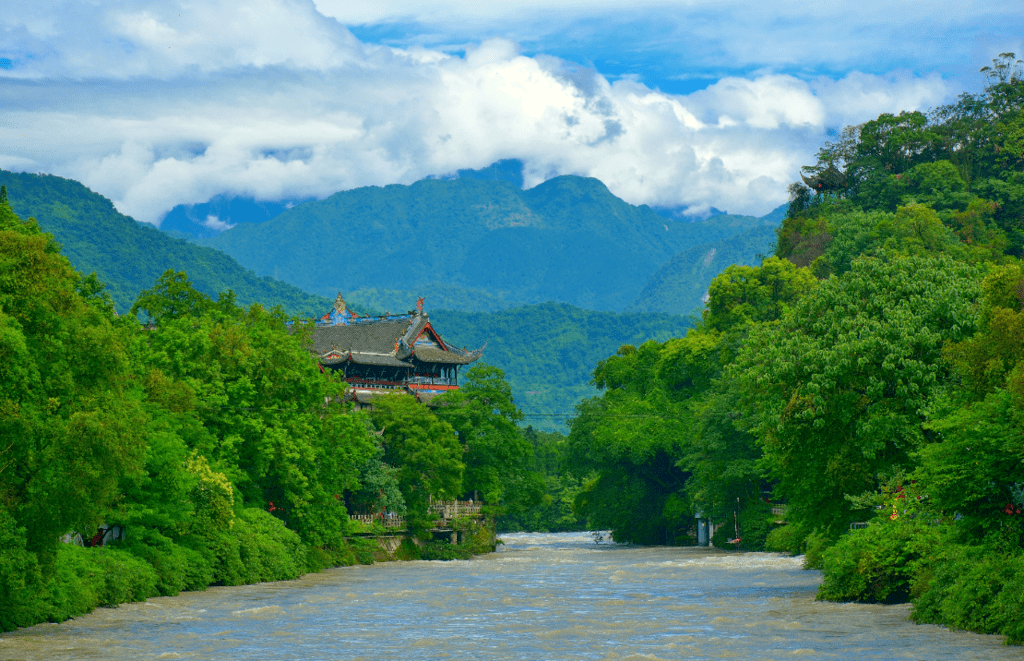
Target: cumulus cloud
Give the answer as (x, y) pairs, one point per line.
(158, 104)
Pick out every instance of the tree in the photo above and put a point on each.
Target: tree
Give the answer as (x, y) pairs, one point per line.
(425, 450)
(484, 415)
(71, 423)
(626, 446)
(839, 386)
(171, 297)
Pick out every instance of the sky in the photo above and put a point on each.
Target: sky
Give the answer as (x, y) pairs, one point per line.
(696, 104)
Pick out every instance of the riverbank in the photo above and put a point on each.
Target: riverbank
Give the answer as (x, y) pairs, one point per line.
(549, 596)
(257, 549)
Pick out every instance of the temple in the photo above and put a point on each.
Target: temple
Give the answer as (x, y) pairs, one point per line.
(390, 353)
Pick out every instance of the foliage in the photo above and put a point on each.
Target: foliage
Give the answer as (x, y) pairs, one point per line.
(554, 512)
(973, 588)
(69, 420)
(548, 351)
(425, 450)
(211, 436)
(893, 385)
(837, 388)
(477, 542)
(497, 457)
(625, 445)
(879, 563)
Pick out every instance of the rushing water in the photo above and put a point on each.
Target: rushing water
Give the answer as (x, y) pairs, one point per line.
(540, 597)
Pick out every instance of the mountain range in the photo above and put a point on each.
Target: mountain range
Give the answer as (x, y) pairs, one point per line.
(478, 244)
(520, 270)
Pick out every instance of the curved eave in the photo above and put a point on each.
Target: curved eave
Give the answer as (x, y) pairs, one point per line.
(429, 355)
(334, 357)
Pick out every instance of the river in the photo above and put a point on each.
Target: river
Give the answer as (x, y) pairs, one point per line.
(558, 596)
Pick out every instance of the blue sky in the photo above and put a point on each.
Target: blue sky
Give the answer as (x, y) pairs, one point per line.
(700, 104)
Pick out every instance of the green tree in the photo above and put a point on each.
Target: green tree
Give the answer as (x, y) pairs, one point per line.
(70, 421)
(626, 445)
(498, 459)
(171, 297)
(425, 450)
(264, 411)
(839, 386)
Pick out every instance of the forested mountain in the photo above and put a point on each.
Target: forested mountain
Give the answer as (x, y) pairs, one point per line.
(870, 373)
(680, 286)
(567, 240)
(222, 212)
(548, 357)
(548, 351)
(129, 256)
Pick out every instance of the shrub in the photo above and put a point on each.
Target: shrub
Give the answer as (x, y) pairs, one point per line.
(814, 546)
(86, 578)
(976, 589)
(20, 578)
(755, 521)
(878, 563)
(784, 539)
(268, 551)
(177, 568)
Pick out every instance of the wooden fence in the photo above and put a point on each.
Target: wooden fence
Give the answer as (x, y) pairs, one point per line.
(453, 509)
(447, 511)
(389, 522)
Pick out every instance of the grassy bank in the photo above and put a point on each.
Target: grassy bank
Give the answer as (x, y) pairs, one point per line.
(258, 548)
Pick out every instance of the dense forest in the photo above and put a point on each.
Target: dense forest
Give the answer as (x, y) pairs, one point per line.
(870, 373)
(212, 437)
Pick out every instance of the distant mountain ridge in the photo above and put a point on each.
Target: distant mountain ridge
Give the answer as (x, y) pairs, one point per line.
(188, 221)
(128, 256)
(568, 240)
(680, 285)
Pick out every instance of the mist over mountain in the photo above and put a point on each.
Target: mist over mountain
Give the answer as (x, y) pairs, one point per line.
(222, 212)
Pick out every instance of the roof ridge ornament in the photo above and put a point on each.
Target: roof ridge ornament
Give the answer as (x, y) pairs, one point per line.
(419, 304)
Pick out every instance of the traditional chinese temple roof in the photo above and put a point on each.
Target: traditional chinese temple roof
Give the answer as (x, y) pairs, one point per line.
(826, 181)
(391, 340)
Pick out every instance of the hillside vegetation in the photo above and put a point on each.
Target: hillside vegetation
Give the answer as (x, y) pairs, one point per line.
(680, 285)
(567, 240)
(212, 440)
(872, 372)
(129, 256)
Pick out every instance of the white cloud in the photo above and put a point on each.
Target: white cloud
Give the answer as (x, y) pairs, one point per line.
(165, 103)
(215, 223)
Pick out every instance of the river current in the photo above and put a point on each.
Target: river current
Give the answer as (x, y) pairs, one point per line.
(541, 596)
